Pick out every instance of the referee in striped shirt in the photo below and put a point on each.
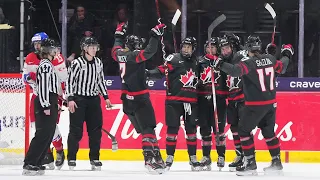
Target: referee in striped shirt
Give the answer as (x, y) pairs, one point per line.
(45, 108)
(85, 82)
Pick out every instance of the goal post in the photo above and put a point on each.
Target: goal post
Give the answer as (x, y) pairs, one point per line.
(14, 119)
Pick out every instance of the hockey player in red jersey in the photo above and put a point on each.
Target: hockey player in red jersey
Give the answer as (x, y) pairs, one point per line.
(29, 76)
(205, 106)
(258, 74)
(181, 99)
(135, 95)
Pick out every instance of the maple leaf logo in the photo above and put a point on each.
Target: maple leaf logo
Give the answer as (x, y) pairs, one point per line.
(217, 75)
(233, 82)
(205, 76)
(189, 80)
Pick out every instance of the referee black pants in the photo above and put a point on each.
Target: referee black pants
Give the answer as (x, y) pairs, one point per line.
(89, 111)
(45, 128)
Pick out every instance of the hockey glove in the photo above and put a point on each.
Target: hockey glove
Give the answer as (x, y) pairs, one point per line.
(121, 30)
(30, 77)
(287, 50)
(158, 30)
(271, 49)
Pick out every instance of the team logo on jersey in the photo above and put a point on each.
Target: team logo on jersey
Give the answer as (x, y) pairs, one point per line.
(189, 80)
(205, 76)
(233, 82)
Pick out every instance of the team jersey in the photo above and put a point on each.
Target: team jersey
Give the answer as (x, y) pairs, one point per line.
(205, 79)
(31, 65)
(182, 78)
(132, 68)
(258, 76)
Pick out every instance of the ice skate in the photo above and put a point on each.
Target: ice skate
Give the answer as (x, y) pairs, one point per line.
(238, 161)
(150, 163)
(275, 168)
(60, 159)
(159, 159)
(42, 170)
(205, 163)
(30, 170)
(195, 165)
(96, 165)
(249, 168)
(220, 162)
(169, 162)
(48, 161)
(72, 164)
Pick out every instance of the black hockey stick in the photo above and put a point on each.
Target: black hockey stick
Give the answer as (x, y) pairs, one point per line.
(213, 25)
(174, 22)
(274, 15)
(113, 139)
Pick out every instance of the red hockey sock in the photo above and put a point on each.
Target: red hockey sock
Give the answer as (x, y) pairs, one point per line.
(57, 143)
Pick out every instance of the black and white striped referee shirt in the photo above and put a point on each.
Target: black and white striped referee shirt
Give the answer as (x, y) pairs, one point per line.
(47, 82)
(86, 78)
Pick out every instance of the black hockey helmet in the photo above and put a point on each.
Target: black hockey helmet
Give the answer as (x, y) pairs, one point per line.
(253, 44)
(234, 40)
(134, 42)
(89, 41)
(224, 41)
(47, 45)
(214, 41)
(189, 40)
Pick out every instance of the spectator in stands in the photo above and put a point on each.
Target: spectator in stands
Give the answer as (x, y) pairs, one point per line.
(80, 25)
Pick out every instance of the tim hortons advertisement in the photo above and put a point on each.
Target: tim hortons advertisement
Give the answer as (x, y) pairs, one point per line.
(296, 124)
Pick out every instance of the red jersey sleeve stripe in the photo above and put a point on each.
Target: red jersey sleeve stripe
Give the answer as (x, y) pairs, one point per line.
(114, 52)
(244, 68)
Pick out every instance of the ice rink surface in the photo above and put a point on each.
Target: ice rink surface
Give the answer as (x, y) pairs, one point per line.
(125, 170)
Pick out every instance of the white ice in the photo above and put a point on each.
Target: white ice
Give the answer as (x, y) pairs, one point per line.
(125, 170)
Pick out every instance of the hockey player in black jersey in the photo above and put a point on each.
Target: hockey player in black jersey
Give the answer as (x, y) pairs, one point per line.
(181, 99)
(259, 83)
(228, 46)
(205, 106)
(135, 95)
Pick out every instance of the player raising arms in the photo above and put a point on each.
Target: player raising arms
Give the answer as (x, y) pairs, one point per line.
(258, 74)
(135, 95)
(205, 105)
(181, 99)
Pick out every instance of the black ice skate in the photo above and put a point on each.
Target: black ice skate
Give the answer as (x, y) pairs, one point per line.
(158, 159)
(238, 161)
(169, 162)
(60, 159)
(48, 161)
(249, 168)
(41, 170)
(30, 170)
(205, 163)
(72, 164)
(151, 164)
(275, 167)
(195, 165)
(96, 165)
(220, 162)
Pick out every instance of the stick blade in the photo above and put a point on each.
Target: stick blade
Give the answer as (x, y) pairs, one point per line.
(176, 17)
(215, 23)
(270, 9)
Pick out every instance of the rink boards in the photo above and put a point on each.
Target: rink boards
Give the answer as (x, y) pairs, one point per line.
(297, 129)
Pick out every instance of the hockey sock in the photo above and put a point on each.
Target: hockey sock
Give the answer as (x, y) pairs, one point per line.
(221, 145)
(236, 140)
(192, 144)
(206, 145)
(57, 140)
(273, 146)
(149, 142)
(247, 144)
(171, 140)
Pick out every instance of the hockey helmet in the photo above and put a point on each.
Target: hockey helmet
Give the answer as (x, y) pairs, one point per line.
(48, 46)
(191, 41)
(134, 42)
(213, 41)
(39, 37)
(89, 41)
(253, 44)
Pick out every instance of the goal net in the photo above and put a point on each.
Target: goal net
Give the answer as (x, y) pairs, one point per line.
(14, 119)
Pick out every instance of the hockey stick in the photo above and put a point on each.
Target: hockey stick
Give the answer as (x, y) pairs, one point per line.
(274, 15)
(174, 22)
(212, 26)
(113, 139)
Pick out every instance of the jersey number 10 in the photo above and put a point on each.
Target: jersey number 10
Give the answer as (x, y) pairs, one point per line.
(262, 73)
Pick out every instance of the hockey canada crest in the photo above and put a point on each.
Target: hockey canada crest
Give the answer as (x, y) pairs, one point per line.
(189, 80)
(206, 75)
(233, 82)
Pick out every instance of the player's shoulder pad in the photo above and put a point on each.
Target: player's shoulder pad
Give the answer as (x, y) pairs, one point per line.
(243, 53)
(32, 59)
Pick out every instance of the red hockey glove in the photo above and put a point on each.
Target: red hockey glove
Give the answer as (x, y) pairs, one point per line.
(287, 50)
(158, 30)
(121, 30)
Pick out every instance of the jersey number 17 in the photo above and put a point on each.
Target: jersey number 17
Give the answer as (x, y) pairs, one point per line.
(263, 74)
